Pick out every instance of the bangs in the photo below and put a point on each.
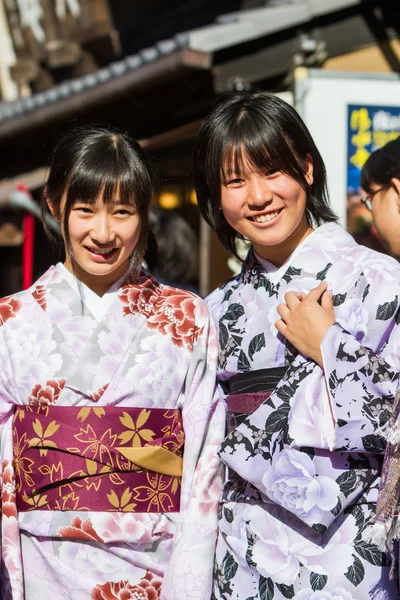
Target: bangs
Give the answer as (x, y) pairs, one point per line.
(373, 171)
(111, 179)
(250, 143)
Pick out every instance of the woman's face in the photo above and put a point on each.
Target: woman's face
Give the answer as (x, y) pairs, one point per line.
(102, 237)
(268, 209)
(386, 214)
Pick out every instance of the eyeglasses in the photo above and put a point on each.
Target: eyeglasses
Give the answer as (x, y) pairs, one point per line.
(367, 200)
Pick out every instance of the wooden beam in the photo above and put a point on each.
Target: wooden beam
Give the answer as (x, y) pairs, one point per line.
(165, 68)
(172, 137)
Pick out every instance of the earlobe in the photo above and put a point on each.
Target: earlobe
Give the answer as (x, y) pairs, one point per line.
(52, 208)
(396, 185)
(309, 173)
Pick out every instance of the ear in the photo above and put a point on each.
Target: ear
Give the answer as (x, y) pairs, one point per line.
(309, 170)
(53, 210)
(396, 185)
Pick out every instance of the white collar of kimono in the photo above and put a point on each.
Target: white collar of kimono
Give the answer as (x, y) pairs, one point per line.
(276, 273)
(97, 305)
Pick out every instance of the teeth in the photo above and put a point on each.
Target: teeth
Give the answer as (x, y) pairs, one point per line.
(102, 251)
(264, 218)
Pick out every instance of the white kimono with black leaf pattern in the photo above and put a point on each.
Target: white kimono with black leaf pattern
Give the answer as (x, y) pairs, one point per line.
(306, 464)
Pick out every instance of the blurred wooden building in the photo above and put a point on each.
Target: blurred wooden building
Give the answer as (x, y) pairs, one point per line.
(154, 69)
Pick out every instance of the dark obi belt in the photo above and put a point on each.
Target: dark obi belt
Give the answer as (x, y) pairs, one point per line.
(98, 458)
(247, 391)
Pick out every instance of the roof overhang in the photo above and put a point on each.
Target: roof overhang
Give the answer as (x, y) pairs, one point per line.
(131, 75)
(240, 27)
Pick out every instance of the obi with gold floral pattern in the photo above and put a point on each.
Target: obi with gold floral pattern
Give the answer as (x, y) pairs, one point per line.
(98, 458)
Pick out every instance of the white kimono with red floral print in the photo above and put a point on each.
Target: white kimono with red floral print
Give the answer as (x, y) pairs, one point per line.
(154, 347)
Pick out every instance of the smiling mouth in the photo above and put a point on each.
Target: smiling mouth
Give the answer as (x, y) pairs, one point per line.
(266, 217)
(102, 252)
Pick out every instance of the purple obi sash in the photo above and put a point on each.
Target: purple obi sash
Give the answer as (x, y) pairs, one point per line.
(98, 458)
(247, 391)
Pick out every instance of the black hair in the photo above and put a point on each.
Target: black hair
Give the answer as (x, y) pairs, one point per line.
(268, 132)
(382, 166)
(176, 259)
(91, 162)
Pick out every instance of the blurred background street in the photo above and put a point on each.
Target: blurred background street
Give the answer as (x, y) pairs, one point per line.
(155, 68)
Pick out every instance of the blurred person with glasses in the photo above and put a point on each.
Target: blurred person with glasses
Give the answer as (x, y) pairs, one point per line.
(380, 179)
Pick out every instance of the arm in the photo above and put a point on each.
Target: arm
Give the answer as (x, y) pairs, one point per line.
(355, 374)
(189, 573)
(11, 576)
(354, 393)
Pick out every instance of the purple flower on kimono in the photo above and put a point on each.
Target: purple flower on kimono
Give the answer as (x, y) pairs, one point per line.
(353, 317)
(337, 593)
(292, 483)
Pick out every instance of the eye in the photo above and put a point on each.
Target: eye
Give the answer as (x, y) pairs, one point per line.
(123, 212)
(234, 182)
(272, 173)
(86, 210)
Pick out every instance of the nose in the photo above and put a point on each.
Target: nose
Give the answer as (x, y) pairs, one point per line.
(260, 192)
(102, 230)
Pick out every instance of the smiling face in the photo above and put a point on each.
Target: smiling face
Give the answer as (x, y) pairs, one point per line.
(386, 214)
(267, 208)
(101, 239)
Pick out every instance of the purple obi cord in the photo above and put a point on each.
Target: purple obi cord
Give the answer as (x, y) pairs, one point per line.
(98, 458)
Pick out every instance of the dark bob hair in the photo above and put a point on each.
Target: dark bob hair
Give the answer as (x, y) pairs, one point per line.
(271, 135)
(89, 163)
(382, 166)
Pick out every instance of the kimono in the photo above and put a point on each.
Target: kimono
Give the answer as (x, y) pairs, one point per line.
(303, 464)
(97, 398)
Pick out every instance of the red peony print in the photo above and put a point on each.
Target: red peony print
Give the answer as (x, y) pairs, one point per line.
(8, 309)
(8, 504)
(174, 316)
(39, 294)
(148, 588)
(79, 529)
(47, 394)
(139, 298)
(97, 395)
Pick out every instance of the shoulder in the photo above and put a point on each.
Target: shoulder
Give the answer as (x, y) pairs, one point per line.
(10, 306)
(375, 266)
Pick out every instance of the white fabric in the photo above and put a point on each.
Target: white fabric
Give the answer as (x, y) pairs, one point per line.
(276, 273)
(97, 305)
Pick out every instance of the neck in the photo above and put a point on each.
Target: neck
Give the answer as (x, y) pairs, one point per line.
(99, 284)
(279, 253)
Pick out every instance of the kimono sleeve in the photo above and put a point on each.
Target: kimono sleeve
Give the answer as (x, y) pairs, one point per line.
(190, 570)
(11, 577)
(361, 364)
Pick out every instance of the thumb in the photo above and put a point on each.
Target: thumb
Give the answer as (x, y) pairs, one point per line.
(315, 294)
(327, 302)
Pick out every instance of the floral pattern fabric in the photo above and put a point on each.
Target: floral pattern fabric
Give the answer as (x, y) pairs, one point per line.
(154, 348)
(305, 466)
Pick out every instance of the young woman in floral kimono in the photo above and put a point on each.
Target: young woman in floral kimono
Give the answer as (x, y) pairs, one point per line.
(309, 379)
(108, 419)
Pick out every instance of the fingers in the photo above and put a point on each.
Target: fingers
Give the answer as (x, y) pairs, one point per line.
(293, 299)
(283, 311)
(281, 327)
(327, 301)
(315, 294)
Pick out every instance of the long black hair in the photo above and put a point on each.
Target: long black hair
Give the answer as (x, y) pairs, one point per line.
(265, 130)
(382, 166)
(89, 163)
